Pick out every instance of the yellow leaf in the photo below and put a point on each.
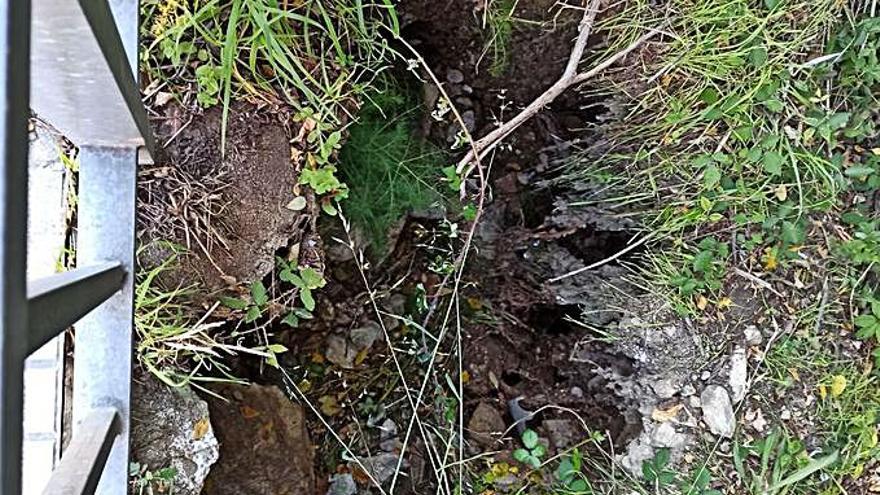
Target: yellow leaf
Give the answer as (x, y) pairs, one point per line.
(724, 303)
(474, 303)
(317, 358)
(201, 429)
(876, 151)
(838, 385)
(664, 415)
(823, 392)
(770, 262)
(329, 405)
(702, 302)
(361, 356)
(465, 376)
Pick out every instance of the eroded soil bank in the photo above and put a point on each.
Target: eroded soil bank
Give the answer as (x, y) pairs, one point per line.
(403, 375)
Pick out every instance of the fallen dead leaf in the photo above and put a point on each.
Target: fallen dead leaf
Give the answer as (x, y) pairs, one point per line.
(664, 415)
(249, 412)
(201, 428)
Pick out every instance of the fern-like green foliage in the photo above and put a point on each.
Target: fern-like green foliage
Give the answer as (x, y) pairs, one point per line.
(390, 171)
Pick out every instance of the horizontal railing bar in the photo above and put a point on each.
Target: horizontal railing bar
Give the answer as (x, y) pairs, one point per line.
(84, 69)
(83, 462)
(59, 301)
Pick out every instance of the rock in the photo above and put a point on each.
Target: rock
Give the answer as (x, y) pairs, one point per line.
(381, 466)
(665, 436)
(718, 411)
(562, 432)
(688, 390)
(753, 335)
(265, 446)
(455, 76)
(739, 371)
(469, 117)
(637, 452)
(485, 425)
(343, 351)
(388, 429)
(342, 484)
(577, 392)
(170, 427)
(664, 388)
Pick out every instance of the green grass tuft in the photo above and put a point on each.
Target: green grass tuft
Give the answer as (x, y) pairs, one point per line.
(390, 170)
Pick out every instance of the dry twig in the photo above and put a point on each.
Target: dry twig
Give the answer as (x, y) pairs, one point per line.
(570, 77)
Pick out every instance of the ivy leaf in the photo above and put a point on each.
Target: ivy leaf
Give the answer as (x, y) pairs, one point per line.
(291, 320)
(258, 292)
(530, 439)
(711, 176)
(233, 303)
(772, 162)
(758, 56)
(252, 314)
(521, 455)
(305, 295)
(311, 278)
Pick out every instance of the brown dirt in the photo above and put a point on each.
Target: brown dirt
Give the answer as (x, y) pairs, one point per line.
(265, 445)
(228, 211)
(450, 37)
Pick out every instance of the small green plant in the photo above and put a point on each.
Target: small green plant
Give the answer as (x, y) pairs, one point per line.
(390, 170)
(259, 301)
(532, 452)
(173, 342)
(779, 461)
(706, 269)
(143, 481)
(868, 327)
(498, 21)
(864, 247)
(569, 474)
(306, 279)
(655, 470)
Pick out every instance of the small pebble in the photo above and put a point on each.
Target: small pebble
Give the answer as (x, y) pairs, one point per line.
(454, 76)
(577, 392)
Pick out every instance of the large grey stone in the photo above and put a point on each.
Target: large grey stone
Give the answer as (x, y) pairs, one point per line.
(718, 411)
(170, 428)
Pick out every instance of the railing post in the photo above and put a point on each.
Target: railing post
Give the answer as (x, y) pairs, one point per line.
(103, 345)
(14, 113)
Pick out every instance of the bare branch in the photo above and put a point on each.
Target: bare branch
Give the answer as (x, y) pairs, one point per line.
(570, 77)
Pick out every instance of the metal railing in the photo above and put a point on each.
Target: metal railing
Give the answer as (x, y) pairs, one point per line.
(74, 63)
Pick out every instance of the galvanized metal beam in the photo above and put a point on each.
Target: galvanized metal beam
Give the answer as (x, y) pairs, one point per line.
(14, 112)
(57, 302)
(103, 359)
(83, 462)
(85, 71)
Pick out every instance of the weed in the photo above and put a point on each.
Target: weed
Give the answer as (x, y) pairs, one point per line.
(390, 170)
(532, 452)
(498, 21)
(780, 462)
(143, 481)
(314, 54)
(570, 476)
(172, 344)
